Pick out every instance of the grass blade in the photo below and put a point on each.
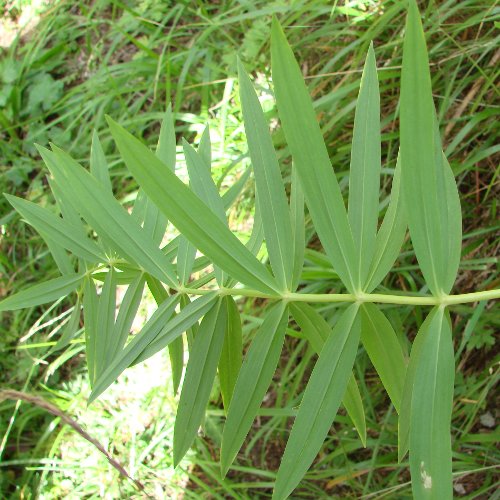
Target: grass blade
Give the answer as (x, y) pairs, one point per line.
(426, 182)
(432, 401)
(58, 230)
(269, 183)
(383, 348)
(108, 218)
(303, 134)
(317, 331)
(200, 373)
(253, 381)
(364, 174)
(231, 355)
(390, 236)
(320, 402)
(191, 216)
(42, 293)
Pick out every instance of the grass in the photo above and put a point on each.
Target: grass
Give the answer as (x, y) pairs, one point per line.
(83, 62)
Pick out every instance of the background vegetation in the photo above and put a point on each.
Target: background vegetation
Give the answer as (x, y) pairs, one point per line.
(129, 59)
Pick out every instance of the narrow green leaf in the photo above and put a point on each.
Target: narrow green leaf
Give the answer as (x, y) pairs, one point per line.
(431, 408)
(166, 148)
(191, 216)
(58, 230)
(390, 236)
(427, 190)
(126, 314)
(320, 402)
(364, 174)
(317, 331)
(384, 350)
(90, 306)
(354, 405)
(105, 214)
(105, 323)
(205, 148)
(60, 256)
(253, 381)
(203, 186)
(186, 318)
(298, 228)
(70, 328)
(98, 164)
(42, 293)
(200, 374)
(231, 195)
(231, 355)
(186, 255)
(269, 183)
(158, 322)
(406, 400)
(176, 347)
(310, 156)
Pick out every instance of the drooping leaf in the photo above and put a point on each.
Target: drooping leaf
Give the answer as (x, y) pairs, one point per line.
(106, 216)
(231, 355)
(253, 381)
(42, 293)
(57, 229)
(316, 330)
(390, 236)
(191, 216)
(364, 173)
(303, 135)
(431, 408)
(320, 402)
(383, 348)
(200, 373)
(269, 183)
(428, 189)
(406, 400)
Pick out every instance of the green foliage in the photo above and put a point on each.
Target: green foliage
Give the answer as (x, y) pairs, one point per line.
(127, 251)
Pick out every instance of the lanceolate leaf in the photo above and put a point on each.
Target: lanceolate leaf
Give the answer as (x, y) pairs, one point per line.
(231, 355)
(406, 400)
(320, 402)
(90, 305)
(298, 228)
(191, 216)
(126, 314)
(61, 232)
(176, 347)
(364, 174)
(384, 350)
(317, 331)
(390, 235)
(272, 198)
(425, 176)
(432, 401)
(70, 328)
(107, 216)
(303, 134)
(200, 373)
(253, 381)
(45, 292)
(98, 164)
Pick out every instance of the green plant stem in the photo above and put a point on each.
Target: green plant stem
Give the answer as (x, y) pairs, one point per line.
(426, 300)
